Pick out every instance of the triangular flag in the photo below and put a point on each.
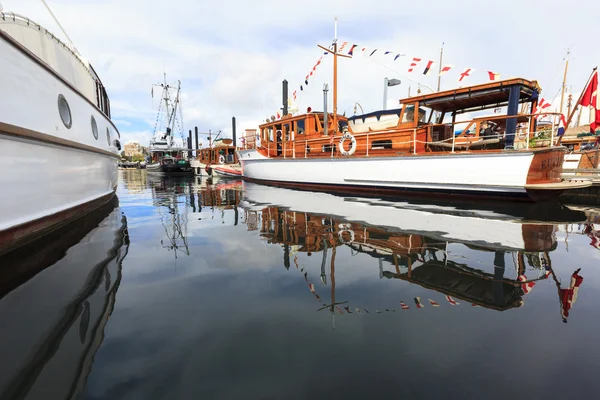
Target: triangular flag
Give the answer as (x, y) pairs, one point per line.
(372, 52)
(386, 53)
(352, 49)
(398, 55)
(493, 75)
(428, 67)
(445, 69)
(413, 64)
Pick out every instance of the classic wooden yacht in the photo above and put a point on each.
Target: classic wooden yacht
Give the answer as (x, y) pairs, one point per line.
(56, 133)
(165, 158)
(221, 158)
(418, 150)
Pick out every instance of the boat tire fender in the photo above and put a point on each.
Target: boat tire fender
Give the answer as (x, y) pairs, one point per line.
(352, 146)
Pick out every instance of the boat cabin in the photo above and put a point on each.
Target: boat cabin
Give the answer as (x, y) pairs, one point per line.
(447, 121)
(222, 151)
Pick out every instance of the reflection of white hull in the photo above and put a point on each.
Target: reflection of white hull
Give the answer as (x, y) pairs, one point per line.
(53, 324)
(502, 232)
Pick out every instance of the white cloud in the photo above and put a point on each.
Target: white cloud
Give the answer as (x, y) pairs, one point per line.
(232, 56)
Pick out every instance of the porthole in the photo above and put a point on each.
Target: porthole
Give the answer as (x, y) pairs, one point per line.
(94, 128)
(64, 111)
(108, 136)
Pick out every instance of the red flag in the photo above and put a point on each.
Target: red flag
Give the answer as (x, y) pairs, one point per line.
(413, 64)
(445, 69)
(465, 73)
(428, 67)
(493, 75)
(352, 49)
(590, 99)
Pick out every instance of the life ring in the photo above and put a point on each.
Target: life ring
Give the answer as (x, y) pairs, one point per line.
(345, 228)
(352, 146)
(221, 159)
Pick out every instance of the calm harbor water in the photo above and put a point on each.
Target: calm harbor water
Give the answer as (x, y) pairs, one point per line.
(192, 289)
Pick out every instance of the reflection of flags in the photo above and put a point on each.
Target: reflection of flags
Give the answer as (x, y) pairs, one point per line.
(428, 67)
(452, 301)
(404, 306)
(526, 286)
(348, 309)
(433, 303)
(418, 302)
(357, 310)
(568, 297)
(311, 287)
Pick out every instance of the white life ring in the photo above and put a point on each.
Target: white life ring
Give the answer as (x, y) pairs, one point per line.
(352, 147)
(343, 228)
(221, 159)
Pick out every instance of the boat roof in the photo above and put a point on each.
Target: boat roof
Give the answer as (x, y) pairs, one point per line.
(476, 97)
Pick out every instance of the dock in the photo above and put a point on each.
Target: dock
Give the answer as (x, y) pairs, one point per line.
(588, 195)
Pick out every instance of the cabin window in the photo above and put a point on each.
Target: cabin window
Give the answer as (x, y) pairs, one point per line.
(108, 136)
(381, 144)
(270, 134)
(65, 111)
(409, 114)
(288, 132)
(343, 125)
(300, 127)
(94, 127)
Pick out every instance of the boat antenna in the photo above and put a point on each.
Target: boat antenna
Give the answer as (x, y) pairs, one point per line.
(59, 25)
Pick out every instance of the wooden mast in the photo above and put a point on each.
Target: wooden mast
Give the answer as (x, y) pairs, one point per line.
(562, 95)
(335, 56)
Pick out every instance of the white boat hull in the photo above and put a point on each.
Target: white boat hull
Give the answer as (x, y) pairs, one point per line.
(486, 174)
(46, 167)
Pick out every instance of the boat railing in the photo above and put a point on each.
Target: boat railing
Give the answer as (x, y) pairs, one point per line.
(525, 135)
(9, 15)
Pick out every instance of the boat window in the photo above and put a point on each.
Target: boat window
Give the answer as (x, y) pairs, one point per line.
(94, 127)
(381, 144)
(270, 134)
(300, 126)
(342, 125)
(409, 114)
(64, 111)
(108, 136)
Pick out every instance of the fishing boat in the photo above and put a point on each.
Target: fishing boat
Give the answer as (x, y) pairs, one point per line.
(423, 154)
(60, 147)
(165, 157)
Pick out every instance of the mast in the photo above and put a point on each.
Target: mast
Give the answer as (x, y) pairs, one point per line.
(440, 67)
(562, 95)
(335, 56)
(335, 124)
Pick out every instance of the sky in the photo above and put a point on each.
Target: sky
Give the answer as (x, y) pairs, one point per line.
(232, 56)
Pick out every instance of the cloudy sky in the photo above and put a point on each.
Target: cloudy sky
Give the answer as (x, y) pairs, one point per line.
(231, 56)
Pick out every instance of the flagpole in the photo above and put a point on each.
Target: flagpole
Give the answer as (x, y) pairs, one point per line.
(562, 95)
(334, 130)
(440, 67)
(572, 113)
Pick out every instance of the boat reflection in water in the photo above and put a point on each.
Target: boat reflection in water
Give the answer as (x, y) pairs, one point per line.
(56, 297)
(410, 242)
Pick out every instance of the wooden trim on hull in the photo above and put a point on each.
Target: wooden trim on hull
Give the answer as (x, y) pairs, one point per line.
(20, 235)
(373, 190)
(17, 131)
(45, 66)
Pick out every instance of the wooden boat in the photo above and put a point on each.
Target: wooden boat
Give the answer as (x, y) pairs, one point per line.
(56, 133)
(422, 154)
(220, 157)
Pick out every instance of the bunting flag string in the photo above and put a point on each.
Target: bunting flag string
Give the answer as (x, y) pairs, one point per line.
(413, 64)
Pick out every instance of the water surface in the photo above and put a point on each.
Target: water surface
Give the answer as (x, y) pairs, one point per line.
(193, 289)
